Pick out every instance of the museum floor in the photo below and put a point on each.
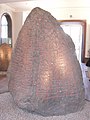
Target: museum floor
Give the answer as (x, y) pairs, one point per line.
(9, 111)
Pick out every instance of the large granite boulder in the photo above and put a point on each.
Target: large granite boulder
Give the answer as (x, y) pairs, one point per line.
(44, 73)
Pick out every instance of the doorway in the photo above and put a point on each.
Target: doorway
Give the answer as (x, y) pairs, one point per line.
(6, 29)
(76, 29)
(75, 32)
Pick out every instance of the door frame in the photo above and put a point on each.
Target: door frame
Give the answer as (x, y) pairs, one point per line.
(83, 24)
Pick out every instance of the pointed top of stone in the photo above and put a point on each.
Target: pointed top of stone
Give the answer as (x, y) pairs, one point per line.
(40, 16)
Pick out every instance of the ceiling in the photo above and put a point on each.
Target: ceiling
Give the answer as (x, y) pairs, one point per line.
(23, 5)
(26, 5)
(9, 1)
(17, 5)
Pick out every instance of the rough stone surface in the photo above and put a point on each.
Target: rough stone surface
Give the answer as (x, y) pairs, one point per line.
(44, 73)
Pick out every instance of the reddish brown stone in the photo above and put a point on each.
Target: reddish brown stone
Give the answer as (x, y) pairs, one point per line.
(45, 75)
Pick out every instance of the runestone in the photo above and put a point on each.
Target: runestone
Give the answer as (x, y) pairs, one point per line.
(44, 74)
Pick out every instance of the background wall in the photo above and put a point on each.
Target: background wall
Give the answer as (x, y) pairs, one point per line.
(18, 21)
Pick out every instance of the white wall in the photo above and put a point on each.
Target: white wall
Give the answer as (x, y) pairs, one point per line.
(17, 20)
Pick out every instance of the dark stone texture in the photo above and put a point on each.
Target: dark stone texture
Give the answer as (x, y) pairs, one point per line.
(44, 73)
